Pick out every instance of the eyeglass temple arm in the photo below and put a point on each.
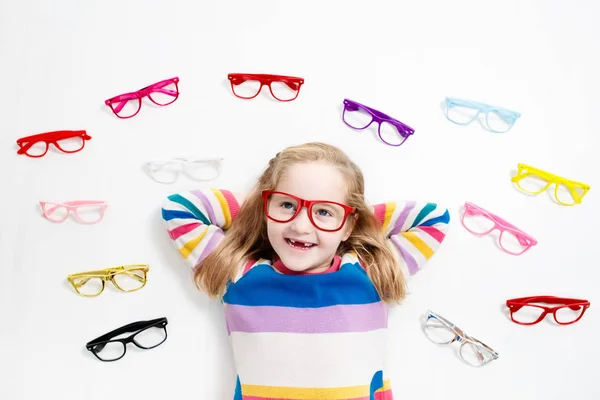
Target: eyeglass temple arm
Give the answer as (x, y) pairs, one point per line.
(352, 105)
(87, 279)
(516, 304)
(160, 87)
(468, 103)
(23, 147)
(132, 327)
(76, 203)
(479, 105)
(444, 320)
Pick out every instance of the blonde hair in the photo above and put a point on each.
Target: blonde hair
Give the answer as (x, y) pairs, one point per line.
(247, 238)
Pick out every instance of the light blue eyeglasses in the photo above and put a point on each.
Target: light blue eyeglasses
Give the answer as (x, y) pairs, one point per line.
(463, 112)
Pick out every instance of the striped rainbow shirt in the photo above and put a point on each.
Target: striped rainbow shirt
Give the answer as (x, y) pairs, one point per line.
(305, 337)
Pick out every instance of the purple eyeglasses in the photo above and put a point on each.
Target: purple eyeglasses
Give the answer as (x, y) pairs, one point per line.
(391, 131)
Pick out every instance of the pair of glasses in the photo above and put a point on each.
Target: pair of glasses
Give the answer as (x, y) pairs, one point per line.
(161, 93)
(529, 311)
(481, 222)
(126, 278)
(146, 335)
(85, 211)
(325, 215)
(66, 141)
(463, 112)
(534, 181)
(391, 131)
(198, 169)
(282, 88)
(472, 351)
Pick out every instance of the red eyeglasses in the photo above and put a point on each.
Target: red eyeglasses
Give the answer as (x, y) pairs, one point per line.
(66, 141)
(327, 216)
(524, 311)
(283, 88)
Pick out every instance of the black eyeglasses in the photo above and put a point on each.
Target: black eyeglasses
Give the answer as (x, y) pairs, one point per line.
(147, 335)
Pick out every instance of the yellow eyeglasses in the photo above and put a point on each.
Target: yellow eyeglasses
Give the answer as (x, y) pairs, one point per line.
(127, 278)
(535, 181)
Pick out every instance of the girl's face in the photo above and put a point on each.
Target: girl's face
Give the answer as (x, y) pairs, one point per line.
(300, 245)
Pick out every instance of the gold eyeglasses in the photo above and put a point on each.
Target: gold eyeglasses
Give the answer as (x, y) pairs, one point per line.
(126, 278)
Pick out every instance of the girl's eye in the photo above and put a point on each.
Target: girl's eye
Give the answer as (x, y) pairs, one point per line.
(324, 213)
(287, 205)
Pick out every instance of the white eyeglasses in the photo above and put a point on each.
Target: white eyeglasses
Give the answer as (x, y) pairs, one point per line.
(441, 331)
(198, 169)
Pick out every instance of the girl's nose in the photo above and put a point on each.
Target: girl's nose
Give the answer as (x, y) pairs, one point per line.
(302, 224)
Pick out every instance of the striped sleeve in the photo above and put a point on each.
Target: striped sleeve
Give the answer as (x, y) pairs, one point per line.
(414, 231)
(195, 220)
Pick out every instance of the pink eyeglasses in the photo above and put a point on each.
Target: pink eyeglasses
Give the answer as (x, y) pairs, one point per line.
(85, 211)
(161, 93)
(481, 222)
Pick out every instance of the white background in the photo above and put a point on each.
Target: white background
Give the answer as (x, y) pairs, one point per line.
(60, 60)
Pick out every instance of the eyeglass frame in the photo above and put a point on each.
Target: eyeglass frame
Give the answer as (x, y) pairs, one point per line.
(552, 179)
(481, 108)
(461, 337)
(183, 162)
(25, 143)
(515, 305)
(72, 206)
(265, 80)
(500, 224)
(305, 203)
(136, 327)
(378, 117)
(140, 94)
(108, 274)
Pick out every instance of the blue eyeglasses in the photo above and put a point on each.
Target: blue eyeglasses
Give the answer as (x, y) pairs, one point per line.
(463, 112)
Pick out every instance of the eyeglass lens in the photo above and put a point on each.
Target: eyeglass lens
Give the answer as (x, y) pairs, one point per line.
(281, 90)
(67, 145)
(528, 314)
(126, 281)
(86, 213)
(481, 224)
(494, 120)
(359, 118)
(127, 105)
(535, 184)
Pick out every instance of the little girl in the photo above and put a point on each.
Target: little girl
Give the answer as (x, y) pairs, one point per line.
(305, 273)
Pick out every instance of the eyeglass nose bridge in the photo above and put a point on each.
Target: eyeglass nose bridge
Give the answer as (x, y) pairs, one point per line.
(303, 205)
(143, 92)
(459, 339)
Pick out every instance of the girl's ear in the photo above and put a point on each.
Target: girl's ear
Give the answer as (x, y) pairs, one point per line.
(350, 223)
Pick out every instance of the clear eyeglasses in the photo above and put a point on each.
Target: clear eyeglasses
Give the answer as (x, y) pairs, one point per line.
(441, 331)
(198, 169)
